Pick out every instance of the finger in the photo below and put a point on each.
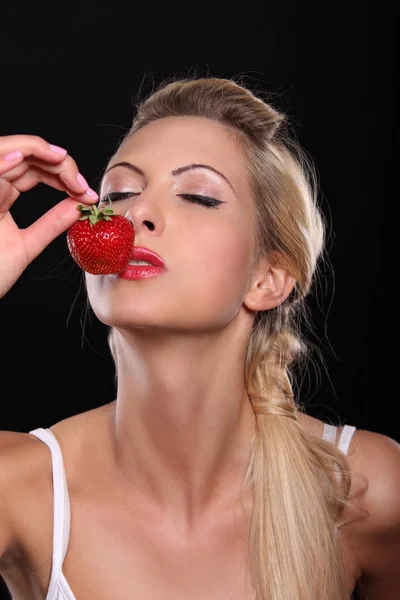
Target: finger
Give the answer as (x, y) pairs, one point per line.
(8, 195)
(68, 172)
(33, 176)
(33, 148)
(16, 171)
(30, 145)
(49, 226)
(9, 161)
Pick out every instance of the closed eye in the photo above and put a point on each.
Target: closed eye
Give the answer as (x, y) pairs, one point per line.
(204, 200)
(115, 196)
(207, 201)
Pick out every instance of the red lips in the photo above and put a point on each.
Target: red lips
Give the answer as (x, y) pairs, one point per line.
(141, 253)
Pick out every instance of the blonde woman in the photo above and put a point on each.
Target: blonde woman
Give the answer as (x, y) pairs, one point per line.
(204, 478)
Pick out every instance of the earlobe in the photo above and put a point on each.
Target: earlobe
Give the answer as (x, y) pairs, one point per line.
(269, 289)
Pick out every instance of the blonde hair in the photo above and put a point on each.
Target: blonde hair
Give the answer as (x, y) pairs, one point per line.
(300, 483)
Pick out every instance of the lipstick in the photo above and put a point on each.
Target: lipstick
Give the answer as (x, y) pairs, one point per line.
(143, 271)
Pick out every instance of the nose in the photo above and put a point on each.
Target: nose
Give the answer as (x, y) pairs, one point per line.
(145, 215)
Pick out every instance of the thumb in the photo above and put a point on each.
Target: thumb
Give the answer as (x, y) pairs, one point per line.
(49, 226)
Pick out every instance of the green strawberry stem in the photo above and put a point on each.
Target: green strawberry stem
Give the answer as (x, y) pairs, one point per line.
(94, 215)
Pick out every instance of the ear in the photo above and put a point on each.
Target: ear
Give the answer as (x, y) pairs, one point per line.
(271, 285)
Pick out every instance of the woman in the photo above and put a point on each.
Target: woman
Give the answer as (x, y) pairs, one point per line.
(204, 478)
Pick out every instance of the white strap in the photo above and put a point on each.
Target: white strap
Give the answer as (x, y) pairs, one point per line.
(61, 506)
(329, 433)
(345, 438)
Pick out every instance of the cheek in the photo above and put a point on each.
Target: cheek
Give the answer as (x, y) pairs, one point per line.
(209, 277)
(220, 261)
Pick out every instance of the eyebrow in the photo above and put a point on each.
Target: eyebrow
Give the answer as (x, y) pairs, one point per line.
(175, 172)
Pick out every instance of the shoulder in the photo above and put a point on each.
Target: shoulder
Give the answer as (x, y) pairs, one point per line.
(377, 458)
(22, 457)
(24, 464)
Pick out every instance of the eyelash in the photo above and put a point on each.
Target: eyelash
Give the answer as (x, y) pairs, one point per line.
(206, 201)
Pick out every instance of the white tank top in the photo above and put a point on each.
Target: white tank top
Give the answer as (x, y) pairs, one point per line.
(59, 588)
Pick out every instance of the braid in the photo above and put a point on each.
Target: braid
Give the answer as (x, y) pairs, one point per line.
(275, 346)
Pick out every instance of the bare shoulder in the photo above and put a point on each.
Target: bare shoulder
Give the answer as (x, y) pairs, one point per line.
(27, 496)
(377, 458)
(22, 455)
(23, 463)
(22, 458)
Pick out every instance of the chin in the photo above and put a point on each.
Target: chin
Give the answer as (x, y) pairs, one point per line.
(173, 312)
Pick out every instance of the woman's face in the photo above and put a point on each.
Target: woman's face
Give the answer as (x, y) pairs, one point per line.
(207, 251)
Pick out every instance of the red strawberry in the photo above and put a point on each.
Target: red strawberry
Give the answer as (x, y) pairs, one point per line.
(101, 242)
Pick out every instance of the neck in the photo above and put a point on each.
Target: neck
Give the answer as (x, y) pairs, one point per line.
(182, 420)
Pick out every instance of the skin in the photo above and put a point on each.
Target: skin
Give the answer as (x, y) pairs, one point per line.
(156, 474)
(25, 161)
(182, 418)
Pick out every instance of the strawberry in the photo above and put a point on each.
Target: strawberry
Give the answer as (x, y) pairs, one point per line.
(101, 242)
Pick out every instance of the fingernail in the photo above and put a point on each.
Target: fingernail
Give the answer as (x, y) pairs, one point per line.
(82, 181)
(13, 155)
(58, 149)
(92, 194)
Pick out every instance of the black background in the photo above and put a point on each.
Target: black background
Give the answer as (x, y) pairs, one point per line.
(70, 73)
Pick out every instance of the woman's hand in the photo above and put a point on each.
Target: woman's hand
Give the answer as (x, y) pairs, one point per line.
(25, 161)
